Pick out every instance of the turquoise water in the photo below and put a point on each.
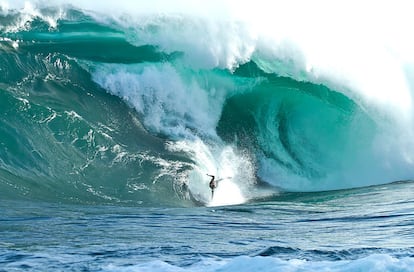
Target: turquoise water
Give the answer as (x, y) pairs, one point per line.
(111, 116)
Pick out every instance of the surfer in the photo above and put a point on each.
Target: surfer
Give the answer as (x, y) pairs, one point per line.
(212, 184)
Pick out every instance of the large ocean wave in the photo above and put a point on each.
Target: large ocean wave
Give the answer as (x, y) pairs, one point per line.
(136, 103)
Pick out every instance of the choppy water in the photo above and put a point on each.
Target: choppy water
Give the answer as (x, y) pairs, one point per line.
(368, 229)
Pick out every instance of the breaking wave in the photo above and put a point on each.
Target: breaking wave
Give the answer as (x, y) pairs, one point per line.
(136, 103)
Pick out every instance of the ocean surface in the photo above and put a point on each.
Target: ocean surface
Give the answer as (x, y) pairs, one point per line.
(112, 114)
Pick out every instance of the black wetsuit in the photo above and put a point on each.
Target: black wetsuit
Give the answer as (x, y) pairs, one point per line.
(212, 184)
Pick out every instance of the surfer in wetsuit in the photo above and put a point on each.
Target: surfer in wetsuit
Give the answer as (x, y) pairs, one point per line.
(212, 184)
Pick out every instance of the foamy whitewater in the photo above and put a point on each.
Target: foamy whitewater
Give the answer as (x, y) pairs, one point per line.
(132, 103)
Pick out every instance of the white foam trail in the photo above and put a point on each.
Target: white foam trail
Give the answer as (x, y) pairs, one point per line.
(234, 172)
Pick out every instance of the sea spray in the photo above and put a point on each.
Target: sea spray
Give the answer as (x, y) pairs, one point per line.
(234, 172)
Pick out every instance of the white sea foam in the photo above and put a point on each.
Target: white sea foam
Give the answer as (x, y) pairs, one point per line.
(377, 262)
(366, 57)
(169, 103)
(348, 46)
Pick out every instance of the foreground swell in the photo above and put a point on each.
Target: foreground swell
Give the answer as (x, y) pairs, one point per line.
(367, 229)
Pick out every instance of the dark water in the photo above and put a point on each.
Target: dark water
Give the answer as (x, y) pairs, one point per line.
(337, 229)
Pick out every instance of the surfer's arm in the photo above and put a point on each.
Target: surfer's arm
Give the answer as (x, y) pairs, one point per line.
(223, 178)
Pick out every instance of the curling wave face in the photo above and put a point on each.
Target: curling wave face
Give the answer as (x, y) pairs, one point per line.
(136, 106)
